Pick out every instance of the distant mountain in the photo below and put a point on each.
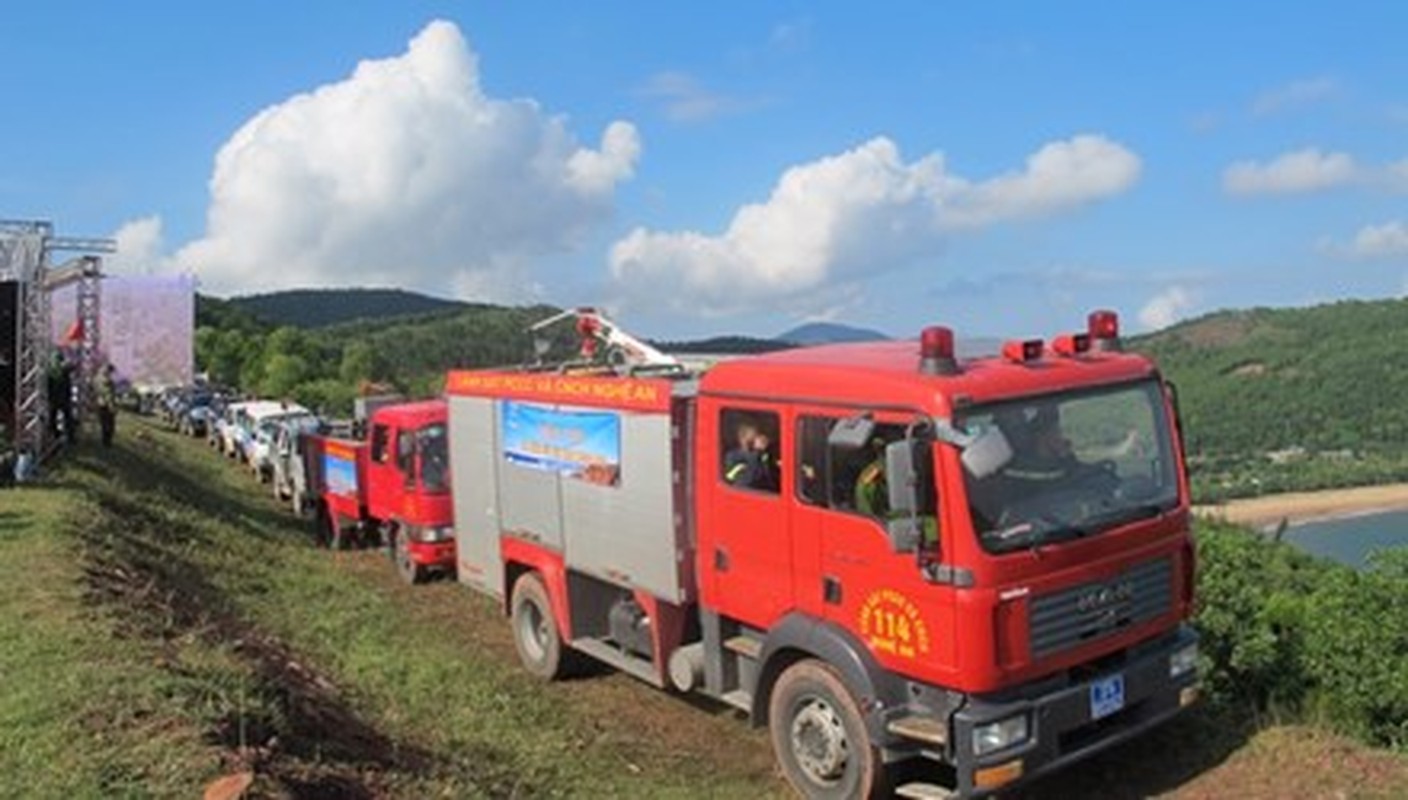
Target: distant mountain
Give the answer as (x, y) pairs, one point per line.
(1291, 398)
(724, 345)
(813, 333)
(318, 308)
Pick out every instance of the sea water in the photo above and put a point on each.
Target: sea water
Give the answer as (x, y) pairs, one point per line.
(1350, 540)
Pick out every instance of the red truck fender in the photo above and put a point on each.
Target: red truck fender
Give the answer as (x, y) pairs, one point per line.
(800, 636)
(521, 557)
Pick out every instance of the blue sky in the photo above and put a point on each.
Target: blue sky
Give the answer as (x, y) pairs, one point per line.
(1001, 167)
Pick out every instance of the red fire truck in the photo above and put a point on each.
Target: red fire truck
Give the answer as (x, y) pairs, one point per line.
(981, 568)
(392, 487)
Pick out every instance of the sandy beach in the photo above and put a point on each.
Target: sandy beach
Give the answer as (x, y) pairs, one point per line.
(1307, 506)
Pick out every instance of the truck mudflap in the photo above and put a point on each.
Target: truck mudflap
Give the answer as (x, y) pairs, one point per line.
(1076, 721)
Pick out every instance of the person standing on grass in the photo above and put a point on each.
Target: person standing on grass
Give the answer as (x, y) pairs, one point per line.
(105, 395)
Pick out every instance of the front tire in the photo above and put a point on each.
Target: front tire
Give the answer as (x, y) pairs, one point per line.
(819, 735)
(535, 633)
(408, 569)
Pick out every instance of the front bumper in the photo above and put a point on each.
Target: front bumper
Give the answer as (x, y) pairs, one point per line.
(432, 554)
(1062, 729)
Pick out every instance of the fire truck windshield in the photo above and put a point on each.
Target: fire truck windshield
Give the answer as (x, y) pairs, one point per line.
(1082, 462)
(434, 459)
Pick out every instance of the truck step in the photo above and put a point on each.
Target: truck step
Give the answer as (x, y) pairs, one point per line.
(739, 699)
(745, 646)
(626, 662)
(923, 791)
(921, 729)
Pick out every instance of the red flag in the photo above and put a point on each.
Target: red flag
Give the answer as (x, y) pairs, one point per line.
(75, 332)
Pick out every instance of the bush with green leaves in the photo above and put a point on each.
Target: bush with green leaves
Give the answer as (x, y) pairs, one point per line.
(1286, 632)
(1356, 650)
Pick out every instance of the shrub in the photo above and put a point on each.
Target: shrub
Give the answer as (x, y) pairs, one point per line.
(1356, 650)
(1284, 631)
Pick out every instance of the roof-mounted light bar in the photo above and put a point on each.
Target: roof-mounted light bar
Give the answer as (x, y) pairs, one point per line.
(1020, 351)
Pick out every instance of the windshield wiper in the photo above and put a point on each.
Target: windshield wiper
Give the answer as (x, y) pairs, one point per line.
(1128, 514)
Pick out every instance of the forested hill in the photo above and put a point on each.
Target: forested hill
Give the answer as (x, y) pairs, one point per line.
(315, 308)
(1297, 398)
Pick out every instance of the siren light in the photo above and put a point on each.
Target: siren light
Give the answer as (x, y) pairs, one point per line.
(936, 351)
(1104, 330)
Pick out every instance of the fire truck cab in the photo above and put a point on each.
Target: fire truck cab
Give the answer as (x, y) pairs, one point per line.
(880, 552)
(393, 487)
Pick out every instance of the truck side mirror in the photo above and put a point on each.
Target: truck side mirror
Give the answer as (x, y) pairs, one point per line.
(904, 533)
(851, 433)
(900, 477)
(987, 453)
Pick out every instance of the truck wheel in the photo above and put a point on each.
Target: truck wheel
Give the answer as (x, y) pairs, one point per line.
(535, 629)
(819, 735)
(409, 570)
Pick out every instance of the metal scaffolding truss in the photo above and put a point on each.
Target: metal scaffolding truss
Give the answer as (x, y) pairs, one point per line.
(25, 248)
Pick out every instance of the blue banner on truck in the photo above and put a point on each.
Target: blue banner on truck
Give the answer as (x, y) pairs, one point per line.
(585, 445)
(340, 471)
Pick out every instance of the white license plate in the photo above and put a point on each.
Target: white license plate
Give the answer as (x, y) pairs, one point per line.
(1106, 696)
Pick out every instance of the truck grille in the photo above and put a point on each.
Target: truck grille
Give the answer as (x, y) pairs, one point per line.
(1071, 617)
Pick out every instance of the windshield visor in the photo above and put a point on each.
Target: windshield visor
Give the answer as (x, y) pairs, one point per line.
(1081, 463)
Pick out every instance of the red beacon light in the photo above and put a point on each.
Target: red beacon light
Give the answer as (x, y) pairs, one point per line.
(936, 353)
(1104, 330)
(1021, 351)
(1071, 344)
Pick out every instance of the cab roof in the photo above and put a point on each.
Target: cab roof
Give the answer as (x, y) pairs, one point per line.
(412, 415)
(887, 374)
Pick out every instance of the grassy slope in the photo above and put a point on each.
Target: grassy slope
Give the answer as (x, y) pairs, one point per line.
(341, 679)
(82, 713)
(177, 626)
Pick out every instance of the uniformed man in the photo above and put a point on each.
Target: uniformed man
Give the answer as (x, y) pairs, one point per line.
(749, 464)
(105, 397)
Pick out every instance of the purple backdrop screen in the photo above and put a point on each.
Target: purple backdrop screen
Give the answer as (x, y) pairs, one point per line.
(146, 323)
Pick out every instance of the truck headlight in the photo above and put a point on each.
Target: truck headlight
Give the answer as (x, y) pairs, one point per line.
(1000, 735)
(436, 533)
(1183, 661)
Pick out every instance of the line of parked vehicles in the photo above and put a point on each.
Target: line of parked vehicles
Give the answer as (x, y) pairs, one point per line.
(380, 479)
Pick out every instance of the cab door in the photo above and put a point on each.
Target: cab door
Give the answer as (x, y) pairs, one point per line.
(386, 476)
(879, 596)
(748, 556)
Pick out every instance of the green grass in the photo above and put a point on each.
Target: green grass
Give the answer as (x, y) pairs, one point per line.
(81, 714)
(331, 673)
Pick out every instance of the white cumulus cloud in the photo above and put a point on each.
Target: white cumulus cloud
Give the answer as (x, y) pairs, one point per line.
(1386, 240)
(1306, 170)
(404, 173)
(850, 215)
(1165, 308)
(140, 246)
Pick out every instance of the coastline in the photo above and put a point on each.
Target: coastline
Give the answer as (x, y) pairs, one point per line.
(1301, 507)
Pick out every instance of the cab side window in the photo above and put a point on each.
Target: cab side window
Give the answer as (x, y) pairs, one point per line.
(843, 479)
(381, 441)
(748, 441)
(406, 457)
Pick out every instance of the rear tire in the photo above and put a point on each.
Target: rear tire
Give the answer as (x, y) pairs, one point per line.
(819, 735)
(535, 633)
